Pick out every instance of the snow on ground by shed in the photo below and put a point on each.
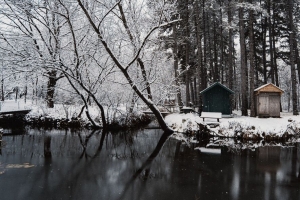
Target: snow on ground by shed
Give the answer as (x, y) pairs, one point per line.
(184, 122)
(277, 126)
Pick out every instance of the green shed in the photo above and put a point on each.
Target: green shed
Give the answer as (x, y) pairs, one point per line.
(216, 98)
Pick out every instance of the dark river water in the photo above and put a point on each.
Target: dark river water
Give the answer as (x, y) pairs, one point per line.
(146, 164)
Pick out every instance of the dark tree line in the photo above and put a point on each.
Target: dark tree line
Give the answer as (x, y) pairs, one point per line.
(238, 43)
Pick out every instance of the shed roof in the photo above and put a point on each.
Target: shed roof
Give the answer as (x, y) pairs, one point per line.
(269, 87)
(217, 84)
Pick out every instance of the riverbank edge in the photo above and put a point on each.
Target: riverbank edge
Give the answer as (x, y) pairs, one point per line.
(131, 121)
(205, 131)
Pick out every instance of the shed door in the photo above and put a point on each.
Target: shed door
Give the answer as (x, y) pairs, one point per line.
(274, 106)
(263, 105)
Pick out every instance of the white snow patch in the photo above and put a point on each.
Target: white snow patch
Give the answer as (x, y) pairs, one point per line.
(228, 126)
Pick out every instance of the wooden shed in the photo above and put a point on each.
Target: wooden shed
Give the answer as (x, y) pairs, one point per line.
(216, 98)
(267, 99)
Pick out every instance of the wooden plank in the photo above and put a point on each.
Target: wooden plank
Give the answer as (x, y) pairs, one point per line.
(274, 106)
(263, 105)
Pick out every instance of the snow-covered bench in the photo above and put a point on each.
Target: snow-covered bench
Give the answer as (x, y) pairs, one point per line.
(213, 115)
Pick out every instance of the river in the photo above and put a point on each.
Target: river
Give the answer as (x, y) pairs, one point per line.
(146, 164)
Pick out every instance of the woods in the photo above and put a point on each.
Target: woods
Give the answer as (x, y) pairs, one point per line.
(131, 52)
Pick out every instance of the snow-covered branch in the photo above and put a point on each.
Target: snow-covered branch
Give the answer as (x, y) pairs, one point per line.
(146, 38)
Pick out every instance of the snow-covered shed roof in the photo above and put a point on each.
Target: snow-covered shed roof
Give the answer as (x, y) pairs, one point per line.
(269, 87)
(217, 84)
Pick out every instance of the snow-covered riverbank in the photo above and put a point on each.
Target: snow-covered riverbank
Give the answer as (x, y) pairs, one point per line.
(248, 127)
(68, 116)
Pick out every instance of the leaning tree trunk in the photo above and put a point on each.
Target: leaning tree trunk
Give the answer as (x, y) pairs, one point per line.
(139, 60)
(124, 70)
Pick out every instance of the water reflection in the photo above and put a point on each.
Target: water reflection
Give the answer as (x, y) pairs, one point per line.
(146, 166)
(142, 165)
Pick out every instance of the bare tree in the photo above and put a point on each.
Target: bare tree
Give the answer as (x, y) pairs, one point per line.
(38, 30)
(125, 68)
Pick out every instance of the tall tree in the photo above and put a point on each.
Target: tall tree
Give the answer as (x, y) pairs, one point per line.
(290, 6)
(243, 60)
(124, 69)
(230, 45)
(176, 68)
(252, 62)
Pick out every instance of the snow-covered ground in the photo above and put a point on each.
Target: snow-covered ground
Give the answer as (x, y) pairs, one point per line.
(180, 123)
(12, 105)
(228, 126)
(59, 111)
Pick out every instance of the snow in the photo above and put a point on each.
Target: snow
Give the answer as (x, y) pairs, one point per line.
(228, 126)
(180, 123)
(40, 109)
(12, 105)
(183, 122)
(259, 88)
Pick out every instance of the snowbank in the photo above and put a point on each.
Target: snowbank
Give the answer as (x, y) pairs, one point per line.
(183, 122)
(238, 125)
(63, 115)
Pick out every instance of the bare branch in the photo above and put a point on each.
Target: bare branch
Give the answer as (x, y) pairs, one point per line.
(146, 38)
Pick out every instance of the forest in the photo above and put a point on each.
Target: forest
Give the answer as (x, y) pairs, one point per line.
(110, 53)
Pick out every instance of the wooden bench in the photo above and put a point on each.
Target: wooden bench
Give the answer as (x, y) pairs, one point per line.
(213, 115)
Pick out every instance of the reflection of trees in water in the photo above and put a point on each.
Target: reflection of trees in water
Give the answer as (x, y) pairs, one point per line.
(238, 146)
(47, 146)
(269, 169)
(148, 163)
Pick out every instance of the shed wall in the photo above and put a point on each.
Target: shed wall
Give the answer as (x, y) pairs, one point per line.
(217, 99)
(268, 104)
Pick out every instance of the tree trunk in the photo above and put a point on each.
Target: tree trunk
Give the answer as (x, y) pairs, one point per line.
(298, 63)
(175, 54)
(210, 54)
(201, 71)
(187, 52)
(204, 72)
(264, 46)
(192, 91)
(2, 83)
(52, 79)
(215, 59)
(222, 52)
(252, 63)
(230, 43)
(243, 61)
(271, 43)
(139, 60)
(274, 50)
(187, 89)
(196, 89)
(292, 57)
